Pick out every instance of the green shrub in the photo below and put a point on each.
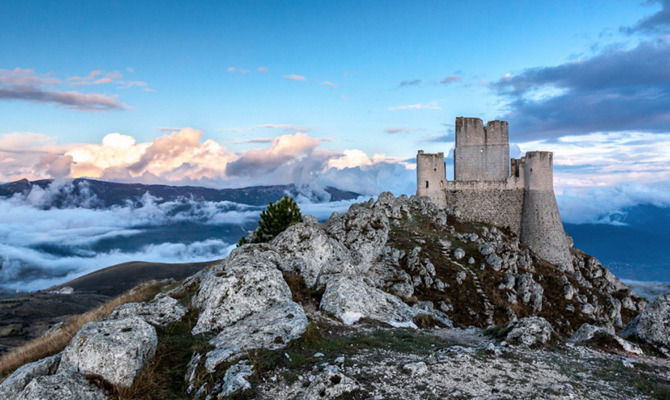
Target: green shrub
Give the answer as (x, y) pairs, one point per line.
(274, 220)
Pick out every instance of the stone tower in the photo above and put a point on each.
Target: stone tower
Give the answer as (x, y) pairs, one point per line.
(541, 225)
(431, 176)
(481, 152)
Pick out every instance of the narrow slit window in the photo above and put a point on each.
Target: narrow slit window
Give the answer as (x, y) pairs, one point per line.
(426, 184)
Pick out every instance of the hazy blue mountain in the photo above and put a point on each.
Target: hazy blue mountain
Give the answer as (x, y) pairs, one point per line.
(101, 194)
(638, 248)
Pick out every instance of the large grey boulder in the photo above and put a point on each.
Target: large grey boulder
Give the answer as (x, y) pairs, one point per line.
(159, 312)
(363, 230)
(247, 282)
(530, 332)
(66, 385)
(17, 381)
(271, 329)
(586, 333)
(115, 349)
(652, 325)
(307, 249)
(349, 298)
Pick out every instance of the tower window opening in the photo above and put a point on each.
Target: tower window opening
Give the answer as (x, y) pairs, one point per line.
(426, 184)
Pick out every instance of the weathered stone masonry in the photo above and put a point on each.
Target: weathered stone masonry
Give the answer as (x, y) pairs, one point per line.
(489, 187)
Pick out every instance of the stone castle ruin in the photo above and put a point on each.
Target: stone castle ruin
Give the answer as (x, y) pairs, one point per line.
(489, 187)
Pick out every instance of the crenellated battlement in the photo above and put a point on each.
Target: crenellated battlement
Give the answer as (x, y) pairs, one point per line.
(490, 187)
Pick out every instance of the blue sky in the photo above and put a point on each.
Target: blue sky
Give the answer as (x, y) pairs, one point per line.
(285, 91)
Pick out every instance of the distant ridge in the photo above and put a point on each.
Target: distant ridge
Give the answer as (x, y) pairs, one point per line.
(112, 193)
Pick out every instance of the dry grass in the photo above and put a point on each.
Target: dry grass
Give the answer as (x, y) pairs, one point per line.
(54, 342)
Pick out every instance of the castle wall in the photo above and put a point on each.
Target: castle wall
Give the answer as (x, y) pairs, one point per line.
(498, 203)
(541, 226)
(431, 176)
(489, 187)
(481, 152)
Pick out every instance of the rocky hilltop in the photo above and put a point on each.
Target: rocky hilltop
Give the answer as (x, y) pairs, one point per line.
(392, 299)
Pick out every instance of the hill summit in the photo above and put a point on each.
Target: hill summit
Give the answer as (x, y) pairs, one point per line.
(394, 298)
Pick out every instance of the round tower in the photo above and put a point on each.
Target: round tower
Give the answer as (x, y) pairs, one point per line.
(431, 176)
(541, 225)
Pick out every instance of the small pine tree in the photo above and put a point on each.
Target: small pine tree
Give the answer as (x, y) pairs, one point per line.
(274, 220)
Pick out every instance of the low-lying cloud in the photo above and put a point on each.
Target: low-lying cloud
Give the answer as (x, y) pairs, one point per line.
(42, 244)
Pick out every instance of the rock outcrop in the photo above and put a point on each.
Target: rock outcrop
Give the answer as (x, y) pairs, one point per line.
(272, 328)
(159, 312)
(652, 325)
(247, 282)
(349, 298)
(530, 332)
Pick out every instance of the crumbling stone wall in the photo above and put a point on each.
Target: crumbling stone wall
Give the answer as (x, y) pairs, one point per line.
(481, 152)
(497, 203)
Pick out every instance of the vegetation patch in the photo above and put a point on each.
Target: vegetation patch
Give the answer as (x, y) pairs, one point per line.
(56, 341)
(163, 377)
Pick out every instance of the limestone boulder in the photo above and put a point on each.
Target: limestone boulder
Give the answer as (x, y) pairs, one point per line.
(17, 381)
(247, 282)
(530, 332)
(271, 328)
(308, 250)
(66, 385)
(362, 230)
(350, 298)
(586, 333)
(652, 325)
(114, 349)
(159, 312)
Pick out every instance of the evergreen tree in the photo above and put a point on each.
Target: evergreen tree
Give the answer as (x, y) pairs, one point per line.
(275, 219)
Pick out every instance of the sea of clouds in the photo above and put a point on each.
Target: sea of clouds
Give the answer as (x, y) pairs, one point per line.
(41, 246)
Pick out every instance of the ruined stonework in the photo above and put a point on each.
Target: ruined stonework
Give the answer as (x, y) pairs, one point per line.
(431, 177)
(489, 187)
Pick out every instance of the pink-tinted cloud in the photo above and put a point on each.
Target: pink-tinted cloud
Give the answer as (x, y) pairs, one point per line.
(295, 77)
(72, 100)
(331, 84)
(26, 85)
(25, 77)
(95, 78)
(262, 69)
(183, 157)
(451, 79)
(284, 149)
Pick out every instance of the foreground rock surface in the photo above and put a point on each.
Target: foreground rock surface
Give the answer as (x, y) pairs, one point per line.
(653, 325)
(116, 350)
(270, 329)
(159, 312)
(63, 386)
(349, 298)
